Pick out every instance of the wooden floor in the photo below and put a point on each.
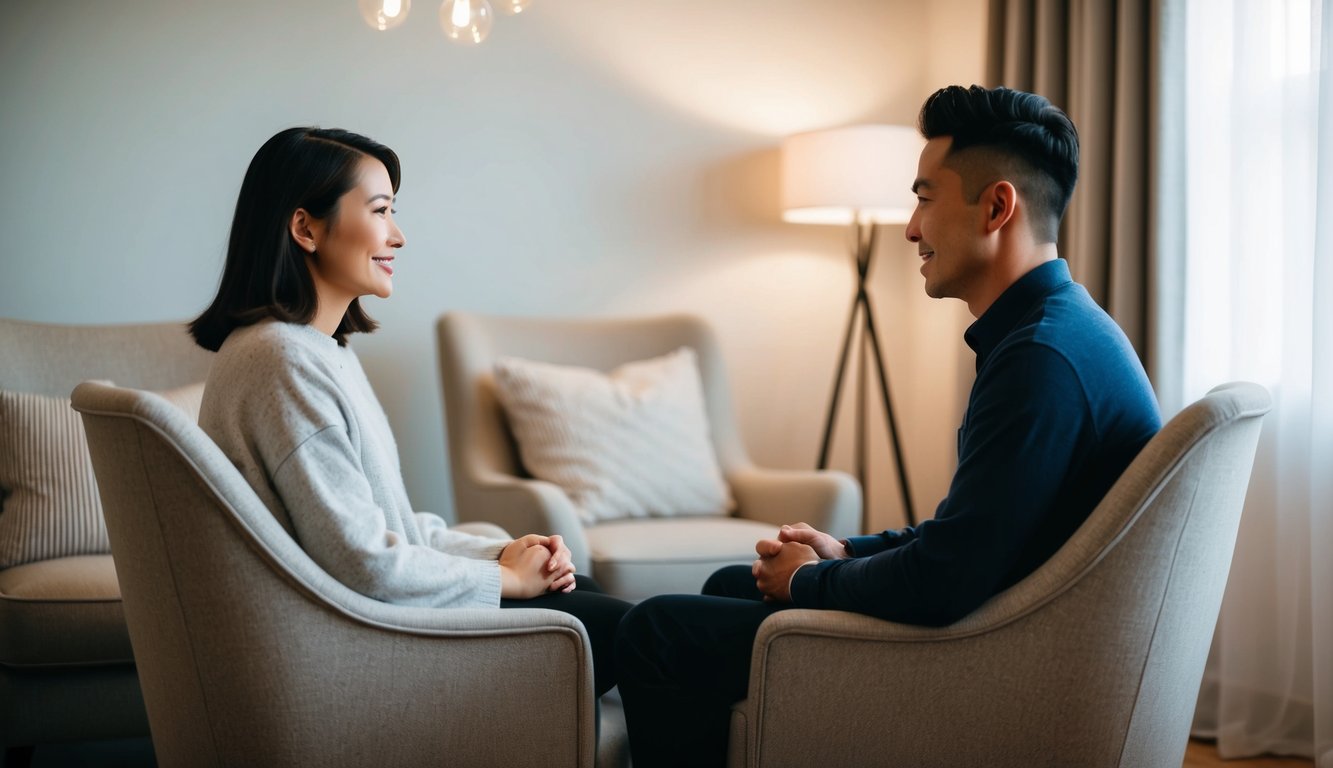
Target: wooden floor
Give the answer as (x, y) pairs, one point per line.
(138, 753)
(1203, 754)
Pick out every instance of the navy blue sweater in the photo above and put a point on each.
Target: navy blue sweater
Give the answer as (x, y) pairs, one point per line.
(1060, 407)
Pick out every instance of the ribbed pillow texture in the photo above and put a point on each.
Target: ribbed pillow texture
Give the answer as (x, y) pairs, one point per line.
(49, 505)
(632, 443)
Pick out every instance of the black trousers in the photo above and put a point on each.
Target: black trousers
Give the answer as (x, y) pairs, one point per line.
(683, 660)
(600, 614)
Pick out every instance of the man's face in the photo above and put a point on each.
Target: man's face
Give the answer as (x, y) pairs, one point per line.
(947, 229)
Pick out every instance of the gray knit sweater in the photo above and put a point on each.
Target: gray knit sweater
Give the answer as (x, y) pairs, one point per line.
(296, 415)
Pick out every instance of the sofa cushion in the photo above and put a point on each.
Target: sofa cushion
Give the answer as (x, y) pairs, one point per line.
(62, 612)
(635, 559)
(632, 443)
(50, 505)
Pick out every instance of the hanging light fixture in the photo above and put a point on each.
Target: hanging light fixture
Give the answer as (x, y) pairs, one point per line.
(466, 21)
(384, 15)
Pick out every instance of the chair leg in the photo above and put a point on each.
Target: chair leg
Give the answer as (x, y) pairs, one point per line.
(18, 757)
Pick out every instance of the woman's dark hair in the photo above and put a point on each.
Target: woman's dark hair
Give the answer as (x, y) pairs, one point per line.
(1005, 134)
(266, 274)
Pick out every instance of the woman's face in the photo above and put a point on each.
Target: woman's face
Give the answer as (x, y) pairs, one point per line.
(354, 248)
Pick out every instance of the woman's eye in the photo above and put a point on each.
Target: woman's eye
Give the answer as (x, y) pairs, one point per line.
(382, 211)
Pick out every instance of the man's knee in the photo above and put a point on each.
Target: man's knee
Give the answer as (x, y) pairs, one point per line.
(732, 581)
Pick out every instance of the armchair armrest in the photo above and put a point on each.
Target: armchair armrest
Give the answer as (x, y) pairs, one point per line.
(521, 506)
(828, 500)
(936, 695)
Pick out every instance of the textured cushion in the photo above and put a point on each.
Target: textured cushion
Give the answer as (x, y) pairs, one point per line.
(634, 443)
(50, 501)
(635, 559)
(62, 612)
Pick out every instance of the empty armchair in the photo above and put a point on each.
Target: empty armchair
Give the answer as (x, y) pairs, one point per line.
(249, 654)
(1095, 659)
(634, 557)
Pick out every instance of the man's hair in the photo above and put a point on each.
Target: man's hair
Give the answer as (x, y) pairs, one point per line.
(266, 274)
(1002, 134)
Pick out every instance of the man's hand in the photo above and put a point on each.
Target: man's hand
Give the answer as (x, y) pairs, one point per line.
(777, 562)
(827, 547)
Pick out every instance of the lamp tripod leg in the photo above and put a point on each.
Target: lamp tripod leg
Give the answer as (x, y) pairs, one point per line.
(837, 385)
(903, 487)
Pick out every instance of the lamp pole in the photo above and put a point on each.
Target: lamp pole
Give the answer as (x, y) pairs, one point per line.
(863, 252)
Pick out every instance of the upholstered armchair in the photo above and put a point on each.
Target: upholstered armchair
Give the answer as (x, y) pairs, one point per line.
(250, 654)
(1095, 659)
(632, 558)
(66, 671)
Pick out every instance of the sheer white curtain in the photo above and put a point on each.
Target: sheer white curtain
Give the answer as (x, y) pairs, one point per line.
(1254, 301)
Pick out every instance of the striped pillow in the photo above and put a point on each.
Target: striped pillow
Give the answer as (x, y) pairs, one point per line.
(50, 506)
(634, 443)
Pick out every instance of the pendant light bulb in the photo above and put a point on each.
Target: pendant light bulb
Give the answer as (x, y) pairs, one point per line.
(466, 21)
(384, 15)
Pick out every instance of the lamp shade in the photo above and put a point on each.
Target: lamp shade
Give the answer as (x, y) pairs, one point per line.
(861, 173)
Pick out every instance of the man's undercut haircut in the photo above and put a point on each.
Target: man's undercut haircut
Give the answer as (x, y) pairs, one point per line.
(266, 275)
(1006, 135)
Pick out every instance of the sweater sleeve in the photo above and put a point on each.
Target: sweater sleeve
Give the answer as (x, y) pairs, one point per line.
(337, 521)
(440, 536)
(1022, 432)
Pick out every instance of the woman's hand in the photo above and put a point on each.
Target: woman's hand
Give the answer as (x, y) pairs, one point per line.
(553, 562)
(561, 565)
(524, 568)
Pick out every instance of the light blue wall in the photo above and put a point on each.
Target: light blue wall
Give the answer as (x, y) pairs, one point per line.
(599, 157)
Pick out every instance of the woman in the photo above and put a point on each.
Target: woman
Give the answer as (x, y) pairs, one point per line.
(288, 402)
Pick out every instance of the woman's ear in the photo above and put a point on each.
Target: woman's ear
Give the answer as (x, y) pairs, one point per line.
(302, 231)
(1000, 201)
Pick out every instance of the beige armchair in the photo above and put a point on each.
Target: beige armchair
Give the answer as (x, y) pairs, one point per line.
(66, 671)
(249, 654)
(1093, 660)
(631, 558)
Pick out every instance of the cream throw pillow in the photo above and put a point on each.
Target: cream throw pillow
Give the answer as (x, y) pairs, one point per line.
(49, 505)
(634, 443)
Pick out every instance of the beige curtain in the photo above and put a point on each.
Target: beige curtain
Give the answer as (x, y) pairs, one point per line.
(1095, 60)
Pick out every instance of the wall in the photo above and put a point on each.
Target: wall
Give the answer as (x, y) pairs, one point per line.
(590, 158)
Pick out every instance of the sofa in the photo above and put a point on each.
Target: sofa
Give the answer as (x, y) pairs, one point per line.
(66, 668)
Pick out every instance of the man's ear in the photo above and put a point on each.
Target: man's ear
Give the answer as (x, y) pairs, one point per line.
(302, 231)
(1000, 201)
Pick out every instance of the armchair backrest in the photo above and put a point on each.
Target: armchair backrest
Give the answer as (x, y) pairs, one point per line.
(250, 654)
(469, 344)
(51, 359)
(1125, 611)
(1094, 659)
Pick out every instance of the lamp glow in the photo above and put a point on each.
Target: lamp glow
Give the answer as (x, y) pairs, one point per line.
(466, 21)
(860, 174)
(384, 15)
(514, 7)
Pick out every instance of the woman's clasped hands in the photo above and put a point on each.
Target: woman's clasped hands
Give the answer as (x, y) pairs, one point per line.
(532, 565)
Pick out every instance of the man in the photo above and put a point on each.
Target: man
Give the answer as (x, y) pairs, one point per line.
(1059, 408)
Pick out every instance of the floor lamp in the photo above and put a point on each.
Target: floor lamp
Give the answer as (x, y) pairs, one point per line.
(859, 177)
